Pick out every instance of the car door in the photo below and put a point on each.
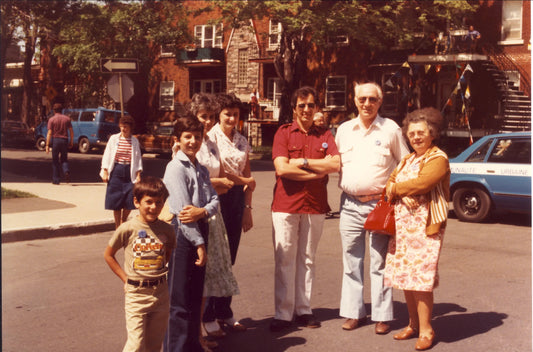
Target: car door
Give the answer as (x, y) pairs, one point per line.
(108, 124)
(74, 119)
(508, 172)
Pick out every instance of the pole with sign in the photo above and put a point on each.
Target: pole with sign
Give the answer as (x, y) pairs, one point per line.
(119, 66)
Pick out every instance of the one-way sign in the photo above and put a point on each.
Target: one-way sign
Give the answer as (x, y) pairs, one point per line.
(119, 65)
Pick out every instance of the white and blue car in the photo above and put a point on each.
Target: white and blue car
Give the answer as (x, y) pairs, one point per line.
(493, 174)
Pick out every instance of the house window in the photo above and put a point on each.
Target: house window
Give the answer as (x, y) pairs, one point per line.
(167, 50)
(340, 40)
(166, 95)
(208, 36)
(274, 32)
(335, 91)
(242, 66)
(206, 86)
(512, 22)
(274, 91)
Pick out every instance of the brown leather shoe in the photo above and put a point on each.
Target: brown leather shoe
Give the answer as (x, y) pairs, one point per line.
(406, 334)
(351, 324)
(424, 342)
(382, 328)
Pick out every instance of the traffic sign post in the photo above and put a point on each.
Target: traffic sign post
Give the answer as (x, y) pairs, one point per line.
(119, 66)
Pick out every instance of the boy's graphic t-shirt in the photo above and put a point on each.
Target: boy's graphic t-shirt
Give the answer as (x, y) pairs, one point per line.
(145, 247)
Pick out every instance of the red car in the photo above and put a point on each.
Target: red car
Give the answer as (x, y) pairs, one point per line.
(159, 139)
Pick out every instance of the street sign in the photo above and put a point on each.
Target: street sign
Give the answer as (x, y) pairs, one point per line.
(113, 88)
(119, 65)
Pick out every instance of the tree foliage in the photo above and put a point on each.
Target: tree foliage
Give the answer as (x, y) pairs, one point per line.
(119, 30)
(372, 26)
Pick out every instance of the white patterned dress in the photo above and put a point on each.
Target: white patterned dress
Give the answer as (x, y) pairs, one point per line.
(219, 280)
(412, 257)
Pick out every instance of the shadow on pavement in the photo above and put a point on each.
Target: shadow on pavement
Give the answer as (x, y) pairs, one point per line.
(21, 205)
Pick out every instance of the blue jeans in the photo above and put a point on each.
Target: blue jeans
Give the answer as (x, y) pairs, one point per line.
(59, 158)
(185, 284)
(353, 237)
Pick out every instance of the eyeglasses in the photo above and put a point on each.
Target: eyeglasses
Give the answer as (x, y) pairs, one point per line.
(309, 105)
(372, 100)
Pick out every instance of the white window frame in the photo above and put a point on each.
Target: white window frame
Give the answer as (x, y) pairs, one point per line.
(512, 13)
(274, 90)
(340, 40)
(274, 34)
(166, 91)
(165, 52)
(216, 38)
(242, 66)
(342, 80)
(206, 86)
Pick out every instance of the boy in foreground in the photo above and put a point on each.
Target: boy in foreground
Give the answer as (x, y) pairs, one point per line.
(148, 243)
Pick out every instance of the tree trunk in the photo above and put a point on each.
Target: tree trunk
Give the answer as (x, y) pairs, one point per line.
(27, 82)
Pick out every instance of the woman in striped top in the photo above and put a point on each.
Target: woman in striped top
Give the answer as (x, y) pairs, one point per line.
(121, 168)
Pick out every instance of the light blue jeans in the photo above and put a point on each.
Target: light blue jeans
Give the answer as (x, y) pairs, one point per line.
(353, 237)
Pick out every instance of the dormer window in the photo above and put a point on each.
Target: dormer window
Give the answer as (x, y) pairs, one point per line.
(274, 37)
(208, 36)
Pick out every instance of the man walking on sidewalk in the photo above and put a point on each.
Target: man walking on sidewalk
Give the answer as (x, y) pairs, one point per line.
(59, 126)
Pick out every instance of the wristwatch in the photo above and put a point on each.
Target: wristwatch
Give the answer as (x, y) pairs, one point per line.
(305, 163)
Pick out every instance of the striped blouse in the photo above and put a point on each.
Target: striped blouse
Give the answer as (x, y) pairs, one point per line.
(123, 154)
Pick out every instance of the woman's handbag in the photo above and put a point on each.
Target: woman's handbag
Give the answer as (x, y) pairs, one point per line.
(381, 219)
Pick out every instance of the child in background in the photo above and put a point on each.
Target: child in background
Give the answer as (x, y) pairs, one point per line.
(147, 243)
(192, 201)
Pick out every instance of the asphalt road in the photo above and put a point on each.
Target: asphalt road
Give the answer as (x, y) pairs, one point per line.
(59, 295)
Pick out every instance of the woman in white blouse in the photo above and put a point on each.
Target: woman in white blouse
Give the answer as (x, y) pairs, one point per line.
(236, 203)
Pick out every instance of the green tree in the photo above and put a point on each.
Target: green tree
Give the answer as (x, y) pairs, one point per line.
(372, 26)
(29, 22)
(135, 29)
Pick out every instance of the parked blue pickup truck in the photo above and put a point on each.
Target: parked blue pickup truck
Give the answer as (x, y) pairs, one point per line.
(92, 127)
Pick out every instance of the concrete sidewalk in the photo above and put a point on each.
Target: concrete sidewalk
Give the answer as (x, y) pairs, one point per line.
(61, 210)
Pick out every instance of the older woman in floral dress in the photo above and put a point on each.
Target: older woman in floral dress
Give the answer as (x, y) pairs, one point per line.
(420, 186)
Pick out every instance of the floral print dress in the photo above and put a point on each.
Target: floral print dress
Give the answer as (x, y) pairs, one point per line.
(412, 256)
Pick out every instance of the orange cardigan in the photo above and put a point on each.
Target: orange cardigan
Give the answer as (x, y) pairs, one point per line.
(433, 179)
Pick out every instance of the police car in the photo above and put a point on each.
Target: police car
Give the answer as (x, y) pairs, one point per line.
(492, 174)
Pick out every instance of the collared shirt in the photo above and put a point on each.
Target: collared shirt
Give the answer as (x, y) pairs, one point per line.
(189, 184)
(59, 124)
(233, 152)
(368, 156)
(302, 197)
(209, 156)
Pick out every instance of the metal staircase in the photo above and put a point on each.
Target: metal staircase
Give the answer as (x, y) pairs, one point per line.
(515, 108)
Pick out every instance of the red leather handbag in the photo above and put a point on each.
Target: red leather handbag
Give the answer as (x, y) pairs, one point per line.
(381, 219)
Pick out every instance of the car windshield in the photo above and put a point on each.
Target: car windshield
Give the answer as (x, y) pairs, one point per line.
(479, 155)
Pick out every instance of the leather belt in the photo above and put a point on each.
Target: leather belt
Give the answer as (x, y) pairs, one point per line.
(367, 197)
(147, 283)
(123, 162)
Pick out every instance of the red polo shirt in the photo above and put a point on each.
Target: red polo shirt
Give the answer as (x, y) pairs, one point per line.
(303, 197)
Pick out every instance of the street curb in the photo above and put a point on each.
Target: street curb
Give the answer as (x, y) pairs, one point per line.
(62, 230)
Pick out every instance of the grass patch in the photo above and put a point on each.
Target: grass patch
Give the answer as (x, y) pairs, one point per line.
(13, 193)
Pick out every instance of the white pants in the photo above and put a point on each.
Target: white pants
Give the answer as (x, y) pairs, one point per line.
(295, 239)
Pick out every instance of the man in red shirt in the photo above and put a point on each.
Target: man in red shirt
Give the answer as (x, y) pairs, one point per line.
(59, 126)
(303, 155)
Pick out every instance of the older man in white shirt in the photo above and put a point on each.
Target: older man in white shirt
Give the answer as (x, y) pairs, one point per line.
(370, 146)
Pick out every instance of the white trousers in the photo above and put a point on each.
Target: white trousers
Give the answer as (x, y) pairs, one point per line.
(295, 239)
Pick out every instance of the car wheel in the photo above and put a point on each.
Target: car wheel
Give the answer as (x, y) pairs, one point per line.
(471, 204)
(83, 145)
(40, 144)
